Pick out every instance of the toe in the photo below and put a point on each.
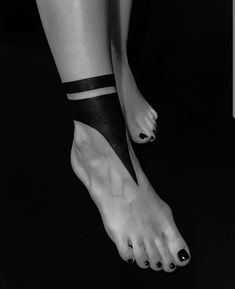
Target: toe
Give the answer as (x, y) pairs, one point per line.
(148, 130)
(139, 131)
(168, 262)
(152, 117)
(176, 244)
(150, 124)
(143, 137)
(183, 255)
(154, 257)
(140, 254)
(151, 129)
(138, 134)
(125, 250)
(179, 250)
(145, 133)
(154, 113)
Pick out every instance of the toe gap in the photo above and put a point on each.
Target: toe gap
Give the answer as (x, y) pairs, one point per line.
(129, 244)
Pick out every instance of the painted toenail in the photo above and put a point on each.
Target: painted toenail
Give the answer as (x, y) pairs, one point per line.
(146, 263)
(152, 138)
(142, 136)
(130, 261)
(159, 264)
(183, 255)
(172, 265)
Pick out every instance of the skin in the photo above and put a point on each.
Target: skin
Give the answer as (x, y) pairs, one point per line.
(140, 116)
(79, 38)
(131, 214)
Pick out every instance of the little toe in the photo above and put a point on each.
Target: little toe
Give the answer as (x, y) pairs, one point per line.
(154, 257)
(140, 254)
(168, 262)
(125, 250)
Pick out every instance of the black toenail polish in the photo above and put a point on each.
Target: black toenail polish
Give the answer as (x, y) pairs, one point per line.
(146, 263)
(159, 264)
(142, 135)
(152, 138)
(172, 265)
(130, 261)
(183, 255)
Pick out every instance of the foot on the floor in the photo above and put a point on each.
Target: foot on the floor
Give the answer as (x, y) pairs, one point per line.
(139, 115)
(137, 220)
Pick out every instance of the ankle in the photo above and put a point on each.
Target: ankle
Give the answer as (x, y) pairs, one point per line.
(89, 150)
(81, 136)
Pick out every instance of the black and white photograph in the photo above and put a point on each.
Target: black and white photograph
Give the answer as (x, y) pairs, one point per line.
(118, 144)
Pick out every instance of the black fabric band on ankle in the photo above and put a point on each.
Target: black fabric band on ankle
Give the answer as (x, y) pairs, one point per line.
(89, 83)
(105, 115)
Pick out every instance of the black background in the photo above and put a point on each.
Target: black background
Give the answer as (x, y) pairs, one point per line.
(51, 232)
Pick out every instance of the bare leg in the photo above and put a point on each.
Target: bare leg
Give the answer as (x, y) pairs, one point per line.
(80, 48)
(132, 214)
(140, 116)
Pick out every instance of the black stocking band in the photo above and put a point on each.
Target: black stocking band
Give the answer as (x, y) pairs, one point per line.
(104, 114)
(89, 83)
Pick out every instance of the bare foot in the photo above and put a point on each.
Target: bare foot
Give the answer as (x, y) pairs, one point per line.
(139, 115)
(137, 220)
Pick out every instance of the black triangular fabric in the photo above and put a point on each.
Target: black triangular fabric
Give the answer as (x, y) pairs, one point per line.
(104, 114)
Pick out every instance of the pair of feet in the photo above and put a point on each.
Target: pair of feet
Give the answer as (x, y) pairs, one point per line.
(136, 219)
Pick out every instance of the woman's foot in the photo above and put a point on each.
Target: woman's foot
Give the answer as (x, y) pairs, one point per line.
(135, 218)
(139, 115)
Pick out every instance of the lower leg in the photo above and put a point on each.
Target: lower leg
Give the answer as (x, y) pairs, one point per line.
(120, 14)
(140, 116)
(80, 48)
(133, 214)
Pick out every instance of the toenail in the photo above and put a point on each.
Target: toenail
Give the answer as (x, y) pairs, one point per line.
(146, 263)
(183, 255)
(152, 138)
(130, 261)
(142, 136)
(172, 265)
(154, 131)
(159, 264)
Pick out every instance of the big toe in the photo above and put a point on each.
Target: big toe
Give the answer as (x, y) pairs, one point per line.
(179, 251)
(177, 246)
